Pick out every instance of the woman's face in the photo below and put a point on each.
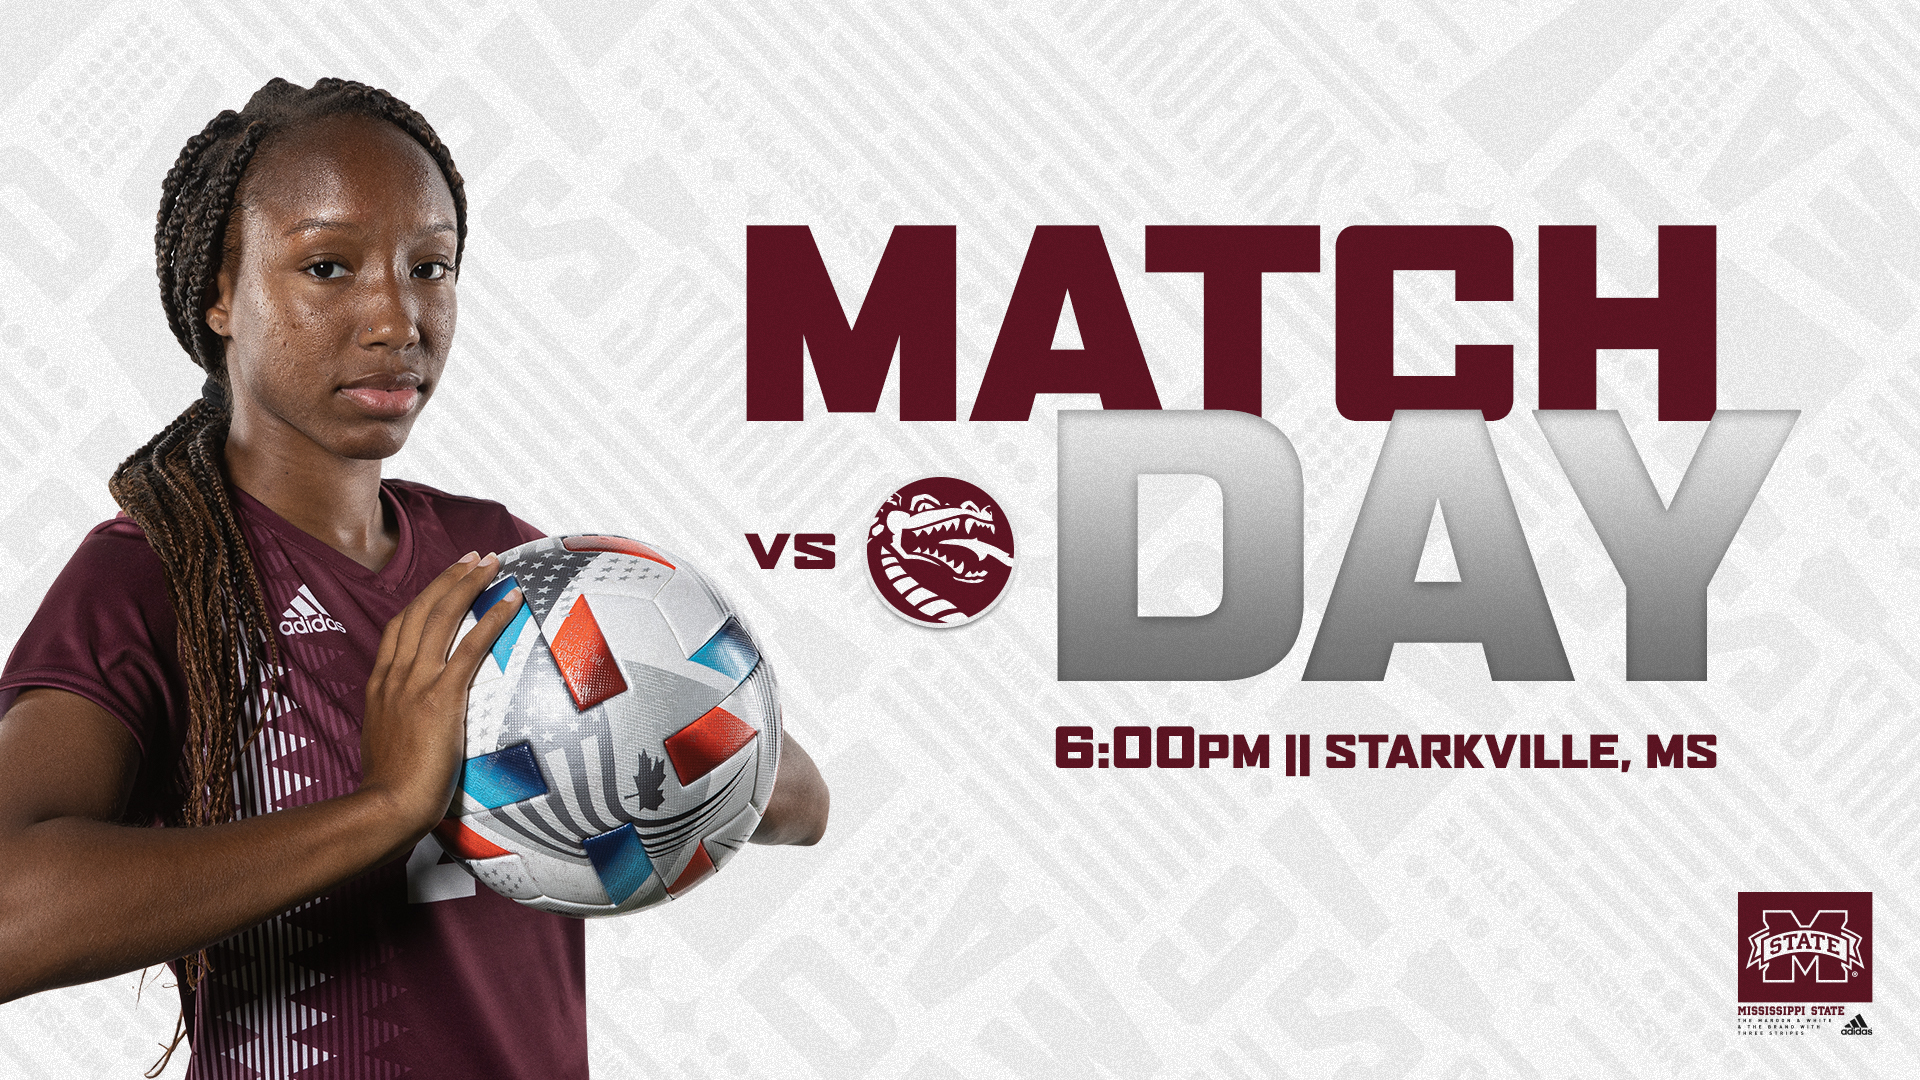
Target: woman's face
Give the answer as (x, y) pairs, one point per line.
(339, 306)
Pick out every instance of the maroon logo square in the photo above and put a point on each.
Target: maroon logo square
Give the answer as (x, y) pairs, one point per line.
(1806, 946)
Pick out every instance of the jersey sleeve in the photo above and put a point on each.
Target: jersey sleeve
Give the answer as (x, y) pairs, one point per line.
(106, 631)
(525, 532)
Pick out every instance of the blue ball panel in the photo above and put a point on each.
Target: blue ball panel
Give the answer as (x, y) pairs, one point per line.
(504, 776)
(491, 595)
(729, 651)
(620, 861)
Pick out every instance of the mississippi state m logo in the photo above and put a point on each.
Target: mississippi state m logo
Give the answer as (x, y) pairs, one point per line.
(1806, 946)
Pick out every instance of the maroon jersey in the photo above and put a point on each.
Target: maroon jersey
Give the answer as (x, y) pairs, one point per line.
(407, 970)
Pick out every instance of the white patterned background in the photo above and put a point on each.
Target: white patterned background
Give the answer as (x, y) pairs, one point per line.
(974, 911)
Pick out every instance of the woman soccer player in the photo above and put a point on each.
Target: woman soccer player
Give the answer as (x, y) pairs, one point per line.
(256, 654)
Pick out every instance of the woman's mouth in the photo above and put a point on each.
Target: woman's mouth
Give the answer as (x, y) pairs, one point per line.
(383, 404)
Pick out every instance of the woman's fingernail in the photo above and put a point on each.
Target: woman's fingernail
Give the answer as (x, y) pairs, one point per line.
(491, 556)
(470, 557)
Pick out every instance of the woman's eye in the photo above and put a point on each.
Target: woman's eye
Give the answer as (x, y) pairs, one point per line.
(328, 270)
(432, 271)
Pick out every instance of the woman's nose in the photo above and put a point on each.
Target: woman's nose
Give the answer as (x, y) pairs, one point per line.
(389, 320)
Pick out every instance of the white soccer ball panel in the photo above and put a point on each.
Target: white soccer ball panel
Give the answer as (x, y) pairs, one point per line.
(726, 841)
(563, 879)
(506, 875)
(693, 610)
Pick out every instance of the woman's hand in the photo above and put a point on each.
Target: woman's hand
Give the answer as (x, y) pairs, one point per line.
(414, 735)
(83, 898)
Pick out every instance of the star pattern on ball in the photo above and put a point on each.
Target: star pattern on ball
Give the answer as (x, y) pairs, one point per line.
(614, 572)
(544, 577)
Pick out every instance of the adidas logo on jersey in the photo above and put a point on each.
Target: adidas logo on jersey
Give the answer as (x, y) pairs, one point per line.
(1857, 1026)
(306, 616)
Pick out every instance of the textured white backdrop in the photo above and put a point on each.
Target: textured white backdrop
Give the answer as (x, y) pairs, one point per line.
(974, 911)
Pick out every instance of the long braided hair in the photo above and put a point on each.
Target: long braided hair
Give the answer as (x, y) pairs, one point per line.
(175, 487)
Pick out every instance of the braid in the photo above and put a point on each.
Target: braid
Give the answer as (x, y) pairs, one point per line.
(175, 487)
(201, 274)
(179, 284)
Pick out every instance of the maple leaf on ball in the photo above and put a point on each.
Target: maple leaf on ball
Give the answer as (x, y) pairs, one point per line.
(652, 773)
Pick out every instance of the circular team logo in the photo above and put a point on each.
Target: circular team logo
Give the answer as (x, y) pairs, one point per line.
(939, 551)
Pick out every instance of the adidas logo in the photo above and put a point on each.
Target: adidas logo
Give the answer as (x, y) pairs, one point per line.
(1857, 1026)
(306, 616)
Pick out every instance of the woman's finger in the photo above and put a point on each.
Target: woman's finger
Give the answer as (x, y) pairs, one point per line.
(473, 649)
(444, 614)
(411, 621)
(389, 644)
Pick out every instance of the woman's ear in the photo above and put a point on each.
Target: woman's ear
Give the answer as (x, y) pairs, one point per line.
(222, 308)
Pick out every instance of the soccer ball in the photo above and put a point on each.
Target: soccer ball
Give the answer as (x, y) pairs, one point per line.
(622, 737)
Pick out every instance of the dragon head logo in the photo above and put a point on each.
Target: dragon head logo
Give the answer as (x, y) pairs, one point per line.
(940, 551)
